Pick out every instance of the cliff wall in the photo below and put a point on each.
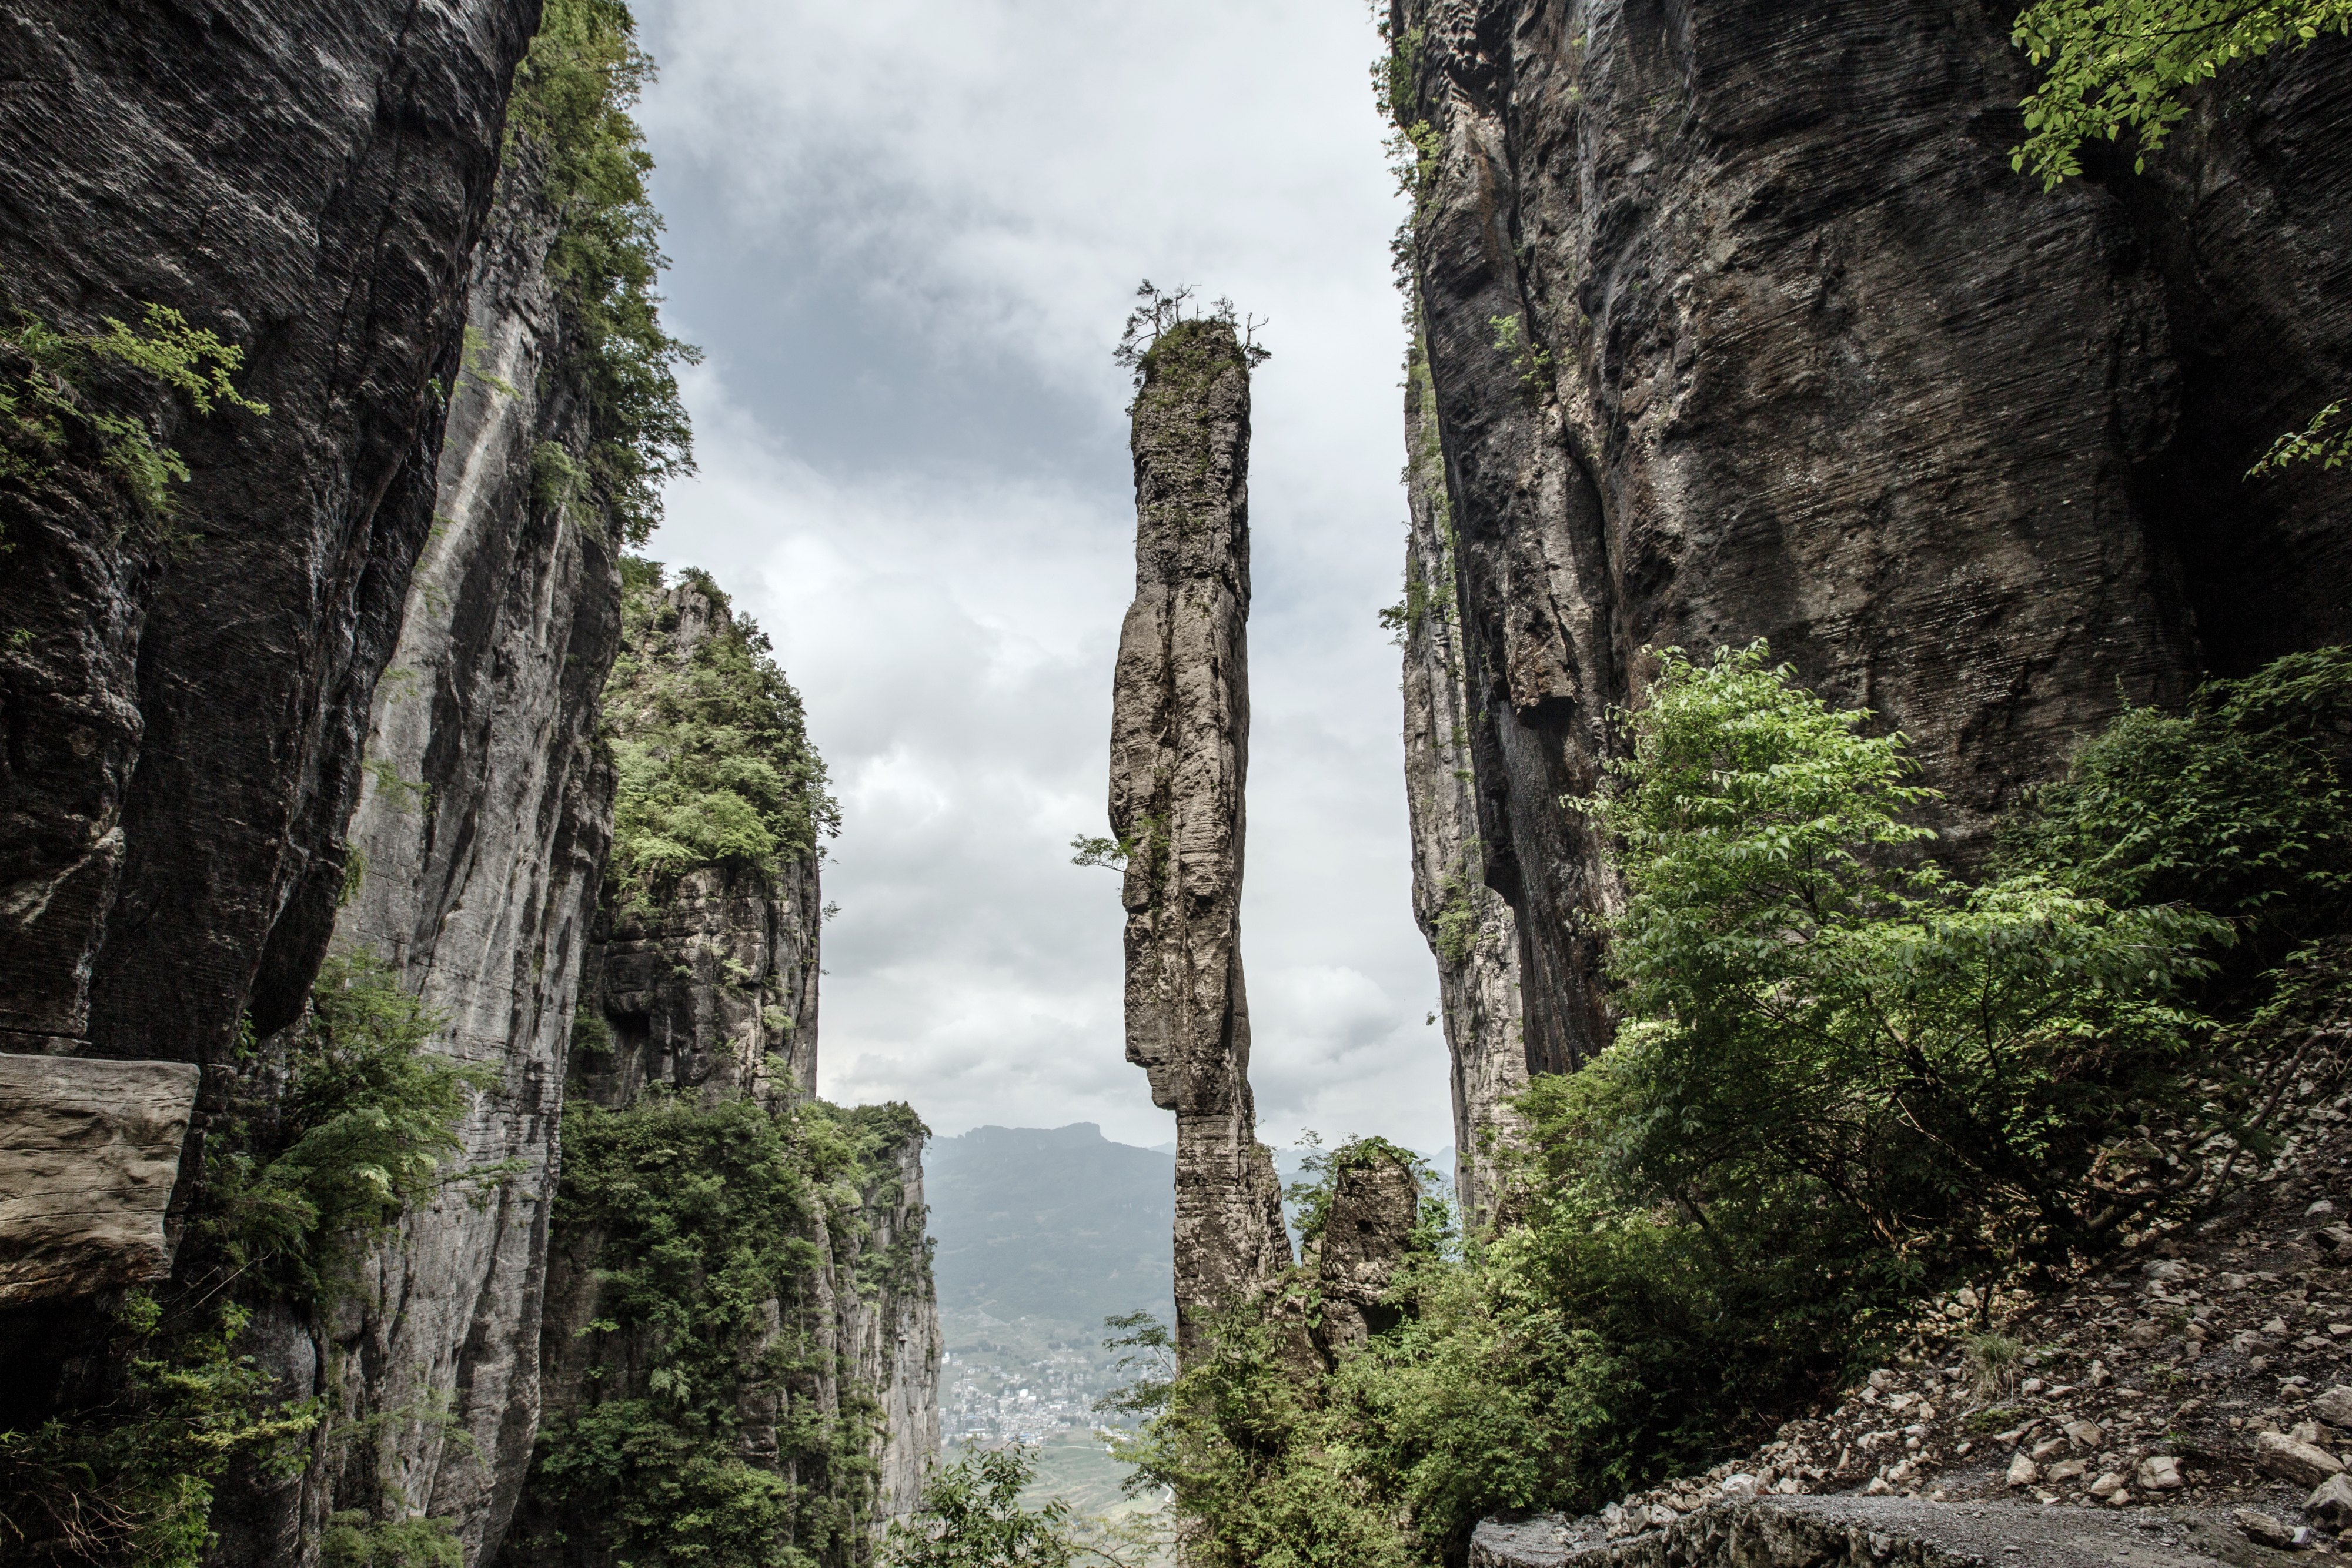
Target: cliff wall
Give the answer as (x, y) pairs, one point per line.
(739, 1293)
(186, 695)
(1738, 324)
(479, 843)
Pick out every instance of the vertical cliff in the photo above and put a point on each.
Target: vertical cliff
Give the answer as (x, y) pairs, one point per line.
(741, 1339)
(1740, 324)
(1468, 926)
(189, 663)
(1179, 771)
(476, 847)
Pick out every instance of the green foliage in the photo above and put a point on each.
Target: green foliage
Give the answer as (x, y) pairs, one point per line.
(51, 395)
(1534, 361)
(295, 1188)
(2111, 66)
(713, 756)
(572, 106)
(972, 1517)
(2324, 441)
(2238, 805)
(130, 1479)
(351, 1540)
(1844, 1080)
(1091, 851)
(359, 1135)
(707, 1275)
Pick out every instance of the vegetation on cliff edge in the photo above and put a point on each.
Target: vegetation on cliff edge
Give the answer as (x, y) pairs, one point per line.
(1846, 1083)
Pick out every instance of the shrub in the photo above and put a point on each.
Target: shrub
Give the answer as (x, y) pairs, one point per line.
(713, 754)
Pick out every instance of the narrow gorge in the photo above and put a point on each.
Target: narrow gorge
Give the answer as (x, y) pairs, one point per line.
(307, 675)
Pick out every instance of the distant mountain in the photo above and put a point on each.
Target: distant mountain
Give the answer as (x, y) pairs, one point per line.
(1059, 1224)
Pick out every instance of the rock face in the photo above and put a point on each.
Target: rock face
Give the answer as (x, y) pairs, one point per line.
(699, 1008)
(1469, 927)
(89, 1153)
(1837, 1531)
(1737, 330)
(188, 694)
(479, 838)
(1179, 762)
(1366, 1232)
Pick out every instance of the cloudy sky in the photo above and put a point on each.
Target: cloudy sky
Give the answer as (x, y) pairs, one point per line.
(906, 232)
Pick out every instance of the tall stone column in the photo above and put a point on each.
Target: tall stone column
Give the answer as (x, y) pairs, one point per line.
(1178, 759)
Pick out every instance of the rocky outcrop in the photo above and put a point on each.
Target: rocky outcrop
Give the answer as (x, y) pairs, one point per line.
(1742, 329)
(478, 846)
(186, 694)
(819, 1421)
(1366, 1233)
(88, 1154)
(1178, 764)
(1468, 926)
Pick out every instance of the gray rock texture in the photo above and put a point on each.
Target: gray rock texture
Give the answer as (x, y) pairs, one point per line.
(1742, 326)
(1865, 1531)
(1179, 766)
(479, 835)
(1468, 926)
(88, 1154)
(187, 696)
(1366, 1233)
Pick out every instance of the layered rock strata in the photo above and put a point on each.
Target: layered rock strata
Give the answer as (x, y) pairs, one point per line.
(479, 843)
(1179, 763)
(1469, 927)
(89, 1151)
(187, 693)
(1367, 1231)
(1740, 328)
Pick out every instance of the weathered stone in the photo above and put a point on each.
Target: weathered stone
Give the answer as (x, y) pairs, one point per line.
(2306, 1464)
(1467, 924)
(88, 1152)
(479, 839)
(2331, 1500)
(1848, 1531)
(2024, 1471)
(2335, 1407)
(2261, 1529)
(1178, 765)
(187, 713)
(1737, 330)
(1366, 1232)
(2159, 1473)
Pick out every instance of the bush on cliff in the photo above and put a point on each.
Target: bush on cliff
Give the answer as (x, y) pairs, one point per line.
(1844, 1081)
(713, 756)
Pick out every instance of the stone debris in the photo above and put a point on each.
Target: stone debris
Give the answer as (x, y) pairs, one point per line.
(2200, 1369)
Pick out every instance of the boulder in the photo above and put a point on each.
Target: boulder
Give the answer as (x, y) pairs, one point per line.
(2331, 1501)
(2306, 1464)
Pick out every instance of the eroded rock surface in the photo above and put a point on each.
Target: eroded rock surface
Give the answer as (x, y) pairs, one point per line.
(479, 836)
(1367, 1231)
(1178, 765)
(187, 696)
(88, 1154)
(1740, 328)
(1469, 927)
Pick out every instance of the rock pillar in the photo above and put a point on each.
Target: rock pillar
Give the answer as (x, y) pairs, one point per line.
(1178, 759)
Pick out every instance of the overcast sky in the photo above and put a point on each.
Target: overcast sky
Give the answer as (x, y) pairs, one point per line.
(907, 232)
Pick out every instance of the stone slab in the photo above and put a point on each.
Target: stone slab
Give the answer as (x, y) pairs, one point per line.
(88, 1154)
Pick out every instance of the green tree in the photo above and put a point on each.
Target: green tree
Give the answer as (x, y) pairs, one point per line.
(2111, 66)
(972, 1517)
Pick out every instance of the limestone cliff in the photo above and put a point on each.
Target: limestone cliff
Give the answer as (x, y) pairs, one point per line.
(478, 846)
(1740, 324)
(738, 1295)
(1469, 926)
(1179, 766)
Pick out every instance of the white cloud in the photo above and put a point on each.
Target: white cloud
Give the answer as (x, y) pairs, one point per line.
(907, 234)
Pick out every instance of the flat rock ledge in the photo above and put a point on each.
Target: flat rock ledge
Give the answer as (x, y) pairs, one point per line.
(1877, 1532)
(88, 1152)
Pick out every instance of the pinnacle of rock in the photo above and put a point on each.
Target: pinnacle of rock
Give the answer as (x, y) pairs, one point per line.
(1178, 759)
